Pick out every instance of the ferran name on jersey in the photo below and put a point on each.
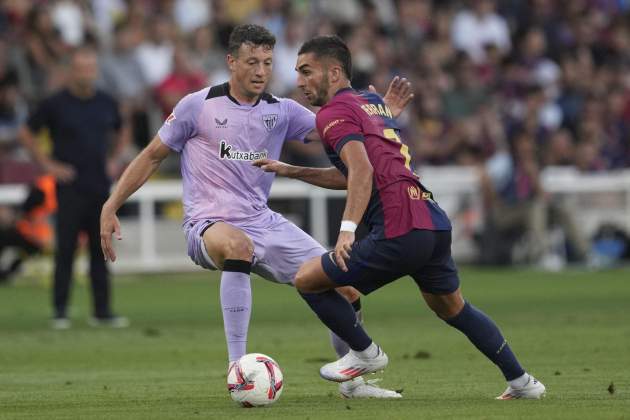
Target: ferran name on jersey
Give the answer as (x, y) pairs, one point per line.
(270, 120)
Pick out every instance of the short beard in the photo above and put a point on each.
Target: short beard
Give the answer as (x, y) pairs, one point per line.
(322, 92)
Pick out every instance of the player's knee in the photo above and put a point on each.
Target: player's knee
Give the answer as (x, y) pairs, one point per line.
(446, 306)
(350, 293)
(239, 248)
(448, 309)
(303, 283)
(446, 313)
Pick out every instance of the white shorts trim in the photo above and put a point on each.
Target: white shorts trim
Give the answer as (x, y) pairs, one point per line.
(207, 259)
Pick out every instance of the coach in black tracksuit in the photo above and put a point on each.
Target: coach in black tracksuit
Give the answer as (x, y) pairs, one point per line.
(82, 123)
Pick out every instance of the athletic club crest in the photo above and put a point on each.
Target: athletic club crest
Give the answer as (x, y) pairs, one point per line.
(270, 121)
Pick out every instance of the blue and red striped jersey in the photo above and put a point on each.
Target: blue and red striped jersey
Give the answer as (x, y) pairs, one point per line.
(399, 202)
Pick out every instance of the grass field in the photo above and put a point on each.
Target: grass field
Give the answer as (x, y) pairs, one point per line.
(572, 330)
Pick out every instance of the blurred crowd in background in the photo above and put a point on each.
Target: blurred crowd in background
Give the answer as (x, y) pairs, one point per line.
(553, 74)
(508, 87)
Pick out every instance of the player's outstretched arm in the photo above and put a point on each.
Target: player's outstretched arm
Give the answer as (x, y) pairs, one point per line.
(330, 178)
(398, 95)
(136, 174)
(360, 178)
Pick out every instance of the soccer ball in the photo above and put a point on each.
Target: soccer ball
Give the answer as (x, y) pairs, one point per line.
(255, 380)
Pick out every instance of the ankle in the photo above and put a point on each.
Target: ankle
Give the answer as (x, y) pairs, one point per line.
(520, 382)
(369, 353)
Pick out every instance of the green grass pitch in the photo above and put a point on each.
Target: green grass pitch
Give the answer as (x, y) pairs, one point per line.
(572, 330)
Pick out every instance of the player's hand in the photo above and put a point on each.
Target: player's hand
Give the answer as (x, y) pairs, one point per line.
(109, 225)
(270, 165)
(61, 171)
(343, 248)
(398, 95)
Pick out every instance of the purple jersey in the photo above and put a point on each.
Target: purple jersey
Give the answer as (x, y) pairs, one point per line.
(218, 139)
(399, 202)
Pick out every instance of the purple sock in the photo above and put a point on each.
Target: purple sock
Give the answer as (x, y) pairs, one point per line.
(236, 303)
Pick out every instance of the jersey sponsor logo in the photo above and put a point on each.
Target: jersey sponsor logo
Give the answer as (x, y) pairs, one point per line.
(270, 120)
(221, 124)
(170, 118)
(228, 152)
(331, 125)
(416, 194)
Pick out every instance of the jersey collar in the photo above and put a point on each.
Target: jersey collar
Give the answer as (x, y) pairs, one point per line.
(226, 90)
(342, 90)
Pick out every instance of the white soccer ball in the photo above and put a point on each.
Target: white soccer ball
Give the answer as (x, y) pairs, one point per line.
(255, 380)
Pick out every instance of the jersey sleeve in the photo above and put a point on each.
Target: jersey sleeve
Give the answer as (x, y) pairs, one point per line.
(338, 125)
(181, 125)
(301, 120)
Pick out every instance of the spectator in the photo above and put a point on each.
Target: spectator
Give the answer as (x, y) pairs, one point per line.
(467, 94)
(68, 18)
(616, 147)
(122, 76)
(81, 121)
(560, 149)
(285, 53)
(272, 16)
(13, 113)
(479, 26)
(183, 80)
(517, 205)
(207, 56)
(107, 15)
(191, 14)
(44, 47)
(156, 52)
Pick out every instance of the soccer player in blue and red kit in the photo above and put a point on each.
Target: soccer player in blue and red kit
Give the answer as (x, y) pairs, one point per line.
(409, 234)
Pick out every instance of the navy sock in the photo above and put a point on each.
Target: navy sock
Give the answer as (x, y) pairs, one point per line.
(339, 316)
(487, 337)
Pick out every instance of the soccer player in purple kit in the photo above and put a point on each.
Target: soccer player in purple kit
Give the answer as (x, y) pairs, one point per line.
(218, 132)
(409, 234)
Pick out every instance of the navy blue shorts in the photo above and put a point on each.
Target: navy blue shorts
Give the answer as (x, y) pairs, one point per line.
(424, 255)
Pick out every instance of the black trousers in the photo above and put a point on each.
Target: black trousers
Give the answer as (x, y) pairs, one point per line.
(79, 211)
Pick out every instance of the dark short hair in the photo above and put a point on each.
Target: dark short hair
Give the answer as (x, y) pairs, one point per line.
(330, 46)
(250, 34)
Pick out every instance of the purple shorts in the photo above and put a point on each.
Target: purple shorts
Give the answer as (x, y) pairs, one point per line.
(280, 247)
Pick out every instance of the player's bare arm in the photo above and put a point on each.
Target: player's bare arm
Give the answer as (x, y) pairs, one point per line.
(330, 178)
(136, 174)
(122, 141)
(354, 156)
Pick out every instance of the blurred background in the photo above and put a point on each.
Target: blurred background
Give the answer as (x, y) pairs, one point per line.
(520, 123)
